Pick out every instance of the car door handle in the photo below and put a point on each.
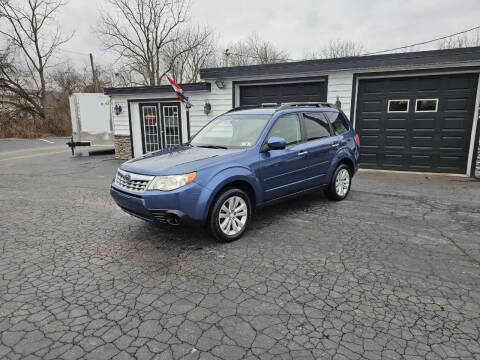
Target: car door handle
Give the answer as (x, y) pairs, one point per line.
(335, 145)
(301, 153)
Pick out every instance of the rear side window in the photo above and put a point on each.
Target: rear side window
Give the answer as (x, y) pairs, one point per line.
(338, 121)
(287, 127)
(316, 126)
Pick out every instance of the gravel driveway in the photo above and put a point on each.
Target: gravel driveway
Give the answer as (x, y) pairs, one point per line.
(391, 272)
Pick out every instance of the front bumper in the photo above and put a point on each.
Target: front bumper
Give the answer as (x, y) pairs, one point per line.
(182, 205)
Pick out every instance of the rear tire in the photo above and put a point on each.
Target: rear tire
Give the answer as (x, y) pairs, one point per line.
(339, 186)
(230, 215)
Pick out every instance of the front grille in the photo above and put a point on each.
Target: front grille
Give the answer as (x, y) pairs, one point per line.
(132, 182)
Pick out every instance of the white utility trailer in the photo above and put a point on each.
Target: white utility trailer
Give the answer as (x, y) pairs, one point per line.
(91, 122)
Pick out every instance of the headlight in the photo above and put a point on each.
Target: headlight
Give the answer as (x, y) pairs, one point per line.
(171, 182)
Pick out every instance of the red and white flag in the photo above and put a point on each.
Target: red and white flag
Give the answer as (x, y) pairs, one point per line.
(180, 95)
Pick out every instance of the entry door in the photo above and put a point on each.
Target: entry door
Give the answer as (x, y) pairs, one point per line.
(161, 126)
(151, 128)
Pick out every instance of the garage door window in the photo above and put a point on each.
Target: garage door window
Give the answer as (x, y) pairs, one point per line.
(426, 105)
(316, 126)
(398, 106)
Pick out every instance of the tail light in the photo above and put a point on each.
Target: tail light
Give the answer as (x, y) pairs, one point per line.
(357, 139)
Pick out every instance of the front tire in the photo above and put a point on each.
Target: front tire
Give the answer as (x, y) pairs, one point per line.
(340, 184)
(230, 215)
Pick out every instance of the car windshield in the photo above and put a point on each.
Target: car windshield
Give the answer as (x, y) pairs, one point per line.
(232, 131)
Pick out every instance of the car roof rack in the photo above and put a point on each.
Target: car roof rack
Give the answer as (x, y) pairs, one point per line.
(289, 105)
(246, 107)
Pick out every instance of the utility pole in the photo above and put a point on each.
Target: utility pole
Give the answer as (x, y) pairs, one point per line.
(94, 74)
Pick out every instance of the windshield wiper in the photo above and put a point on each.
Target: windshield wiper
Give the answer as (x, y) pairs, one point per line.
(212, 146)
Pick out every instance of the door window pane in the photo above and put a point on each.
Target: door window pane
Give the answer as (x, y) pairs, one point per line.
(316, 126)
(287, 127)
(426, 105)
(172, 125)
(338, 121)
(398, 105)
(150, 128)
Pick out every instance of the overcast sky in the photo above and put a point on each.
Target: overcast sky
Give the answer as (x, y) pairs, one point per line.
(300, 25)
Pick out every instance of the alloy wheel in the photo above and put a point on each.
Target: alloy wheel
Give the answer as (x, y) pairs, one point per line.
(233, 215)
(342, 182)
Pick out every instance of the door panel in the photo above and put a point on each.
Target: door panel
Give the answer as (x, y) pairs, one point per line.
(282, 171)
(320, 145)
(172, 129)
(151, 129)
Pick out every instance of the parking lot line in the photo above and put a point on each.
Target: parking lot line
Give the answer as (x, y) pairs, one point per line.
(35, 149)
(35, 155)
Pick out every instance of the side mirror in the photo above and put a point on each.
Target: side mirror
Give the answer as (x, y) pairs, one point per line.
(276, 143)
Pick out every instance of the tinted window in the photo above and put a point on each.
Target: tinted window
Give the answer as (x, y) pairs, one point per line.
(287, 127)
(426, 105)
(316, 126)
(398, 105)
(338, 121)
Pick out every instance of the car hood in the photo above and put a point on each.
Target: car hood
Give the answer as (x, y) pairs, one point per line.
(178, 160)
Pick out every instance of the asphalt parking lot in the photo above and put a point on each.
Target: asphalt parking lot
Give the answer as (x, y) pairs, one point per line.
(392, 272)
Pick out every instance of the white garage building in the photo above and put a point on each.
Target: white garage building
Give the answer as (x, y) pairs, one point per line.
(415, 111)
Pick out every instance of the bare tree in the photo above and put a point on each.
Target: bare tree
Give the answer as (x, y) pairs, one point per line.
(67, 79)
(195, 49)
(32, 38)
(253, 50)
(139, 32)
(336, 49)
(461, 41)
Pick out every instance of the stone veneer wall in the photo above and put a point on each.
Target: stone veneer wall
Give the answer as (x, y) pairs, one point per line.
(123, 147)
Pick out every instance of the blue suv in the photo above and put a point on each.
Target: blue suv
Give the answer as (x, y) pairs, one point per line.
(240, 161)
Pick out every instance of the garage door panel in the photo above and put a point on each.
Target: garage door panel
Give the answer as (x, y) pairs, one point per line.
(455, 105)
(450, 163)
(422, 142)
(422, 124)
(369, 160)
(375, 106)
(451, 124)
(375, 87)
(372, 124)
(428, 84)
(419, 141)
(452, 142)
(399, 85)
(461, 82)
(278, 93)
(393, 161)
(396, 124)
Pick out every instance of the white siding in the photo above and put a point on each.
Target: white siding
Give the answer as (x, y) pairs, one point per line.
(340, 84)
(120, 122)
(220, 100)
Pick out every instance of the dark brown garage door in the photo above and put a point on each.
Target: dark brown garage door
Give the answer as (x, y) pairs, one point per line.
(419, 123)
(281, 93)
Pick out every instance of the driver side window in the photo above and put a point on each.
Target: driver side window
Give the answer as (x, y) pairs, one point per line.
(287, 127)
